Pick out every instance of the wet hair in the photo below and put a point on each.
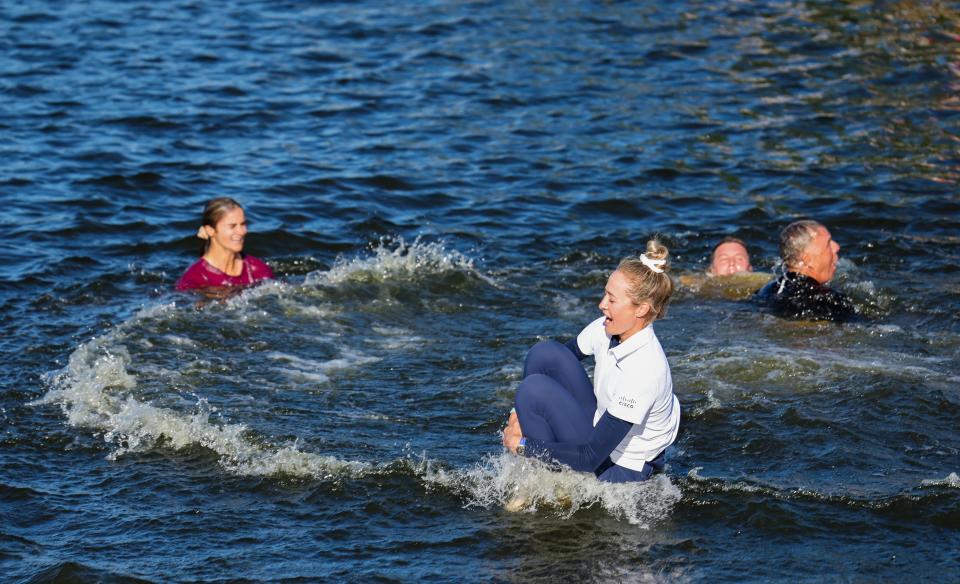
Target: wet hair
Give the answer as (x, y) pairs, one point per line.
(728, 239)
(214, 211)
(645, 285)
(794, 240)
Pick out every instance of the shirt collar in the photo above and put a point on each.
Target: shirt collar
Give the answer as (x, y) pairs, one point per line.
(639, 339)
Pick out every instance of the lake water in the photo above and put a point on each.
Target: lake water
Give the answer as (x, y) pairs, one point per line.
(438, 185)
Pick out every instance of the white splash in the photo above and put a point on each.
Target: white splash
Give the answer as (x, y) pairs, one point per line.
(951, 480)
(710, 403)
(733, 486)
(527, 485)
(397, 259)
(392, 338)
(319, 371)
(95, 391)
(180, 340)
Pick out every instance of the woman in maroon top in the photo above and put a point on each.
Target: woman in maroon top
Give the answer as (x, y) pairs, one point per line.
(223, 263)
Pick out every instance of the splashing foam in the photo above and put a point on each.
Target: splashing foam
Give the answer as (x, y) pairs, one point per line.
(951, 480)
(522, 484)
(396, 259)
(318, 371)
(710, 403)
(95, 391)
(726, 486)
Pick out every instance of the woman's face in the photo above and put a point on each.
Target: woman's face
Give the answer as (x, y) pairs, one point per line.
(230, 231)
(623, 317)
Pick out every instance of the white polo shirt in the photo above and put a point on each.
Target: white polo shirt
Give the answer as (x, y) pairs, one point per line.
(632, 381)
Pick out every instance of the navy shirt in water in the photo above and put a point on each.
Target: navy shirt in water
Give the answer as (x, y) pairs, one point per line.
(800, 297)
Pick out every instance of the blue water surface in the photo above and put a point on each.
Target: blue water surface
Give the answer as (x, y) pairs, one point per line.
(437, 186)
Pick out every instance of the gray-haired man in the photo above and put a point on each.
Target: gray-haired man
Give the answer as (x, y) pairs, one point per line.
(809, 257)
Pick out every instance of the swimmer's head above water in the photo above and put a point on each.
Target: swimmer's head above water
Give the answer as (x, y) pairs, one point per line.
(730, 256)
(806, 247)
(223, 225)
(637, 292)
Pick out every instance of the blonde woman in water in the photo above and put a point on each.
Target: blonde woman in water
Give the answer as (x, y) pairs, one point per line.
(619, 426)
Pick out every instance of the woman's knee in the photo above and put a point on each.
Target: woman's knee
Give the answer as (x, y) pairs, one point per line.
(544, 355)
(533, 390)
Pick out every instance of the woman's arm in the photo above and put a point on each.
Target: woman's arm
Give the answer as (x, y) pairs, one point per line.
(606, 435)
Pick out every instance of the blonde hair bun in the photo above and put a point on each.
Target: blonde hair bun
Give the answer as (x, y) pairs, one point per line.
(647, 279)
(657, 251)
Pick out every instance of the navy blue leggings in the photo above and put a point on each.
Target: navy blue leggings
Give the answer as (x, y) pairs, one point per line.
(556, 404)
(555, 400)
